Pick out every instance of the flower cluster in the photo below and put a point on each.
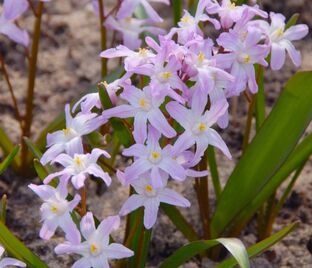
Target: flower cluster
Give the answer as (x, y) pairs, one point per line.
(186, 79)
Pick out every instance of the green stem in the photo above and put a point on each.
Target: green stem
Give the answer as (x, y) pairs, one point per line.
(143, 248)
(214, 172)
(31, 83)
(3, 207)
(103, 38)
(274, 210)
(202, 191)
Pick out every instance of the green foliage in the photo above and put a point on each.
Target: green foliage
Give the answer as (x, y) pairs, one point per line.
(266, 155)
(9, 159)
(260, 246)
(183, 254)
(18, 250)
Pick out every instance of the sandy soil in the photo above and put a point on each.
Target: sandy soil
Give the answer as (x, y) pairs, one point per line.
(68, 64)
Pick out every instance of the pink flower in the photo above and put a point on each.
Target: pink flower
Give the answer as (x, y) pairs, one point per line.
(189, 25)
(128, 7)
(153, 158)
(55, 210)
(143, 107)
(94, 246)
(197, 125)
(79, 167)
(133, 59)
(149, 197)
(12, 9)
(242, 52)
(280, 39)
(130, 29)
(5, 262)
(70, 138)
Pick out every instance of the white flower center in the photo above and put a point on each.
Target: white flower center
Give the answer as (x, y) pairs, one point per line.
(164, 76)
(155, 157)
(278, 34)
(143, 52)
(80, 164)
(144, 104)
(244, 58)
(200, 128)
(231, 6)
(187, 21)
(95, 249)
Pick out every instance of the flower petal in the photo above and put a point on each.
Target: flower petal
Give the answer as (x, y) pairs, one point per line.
(171, 197)
(133, 202)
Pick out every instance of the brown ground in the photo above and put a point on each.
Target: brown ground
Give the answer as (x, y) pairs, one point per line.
(68, 64)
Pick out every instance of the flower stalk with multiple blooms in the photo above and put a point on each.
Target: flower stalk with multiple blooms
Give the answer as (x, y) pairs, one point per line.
(173, 94)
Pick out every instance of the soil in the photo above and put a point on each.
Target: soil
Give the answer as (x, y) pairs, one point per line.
(68, 64)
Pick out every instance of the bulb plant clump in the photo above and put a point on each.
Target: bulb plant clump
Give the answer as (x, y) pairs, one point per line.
(166, 109)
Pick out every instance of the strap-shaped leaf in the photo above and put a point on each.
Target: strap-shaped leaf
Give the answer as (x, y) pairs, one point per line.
(261, 246)
(18, 250)
(294, 161)
(183, 254)
(267, 153)
(8, 160)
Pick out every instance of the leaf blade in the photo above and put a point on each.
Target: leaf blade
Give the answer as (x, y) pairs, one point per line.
(267, 152)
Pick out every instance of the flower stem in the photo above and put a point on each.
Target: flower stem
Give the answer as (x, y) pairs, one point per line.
(103, 38)
(31, 83)
(248, 123)
(83, 202)
(202, 191)
(7, 79)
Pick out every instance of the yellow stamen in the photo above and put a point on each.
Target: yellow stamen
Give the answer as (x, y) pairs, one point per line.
(78, 161)
(93, 248)
(201, 57)
(246, 58)
(186, 19)
(279, 32)
(142, 51)
(166, 75)
(66, 131)
(54, 209)
(148, 188)
(202, 127)
(155, 155)
(142, 102)
(231, 5)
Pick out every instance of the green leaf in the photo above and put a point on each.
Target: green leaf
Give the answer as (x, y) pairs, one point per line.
(294, 161)
(292, 21)
(266, 154)
(260, 246)
(260, 97)
(34, 149)
(9, 159)
(177, 7)
(183, 254)
(7, 147)
(18, 250)
(180, 222)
